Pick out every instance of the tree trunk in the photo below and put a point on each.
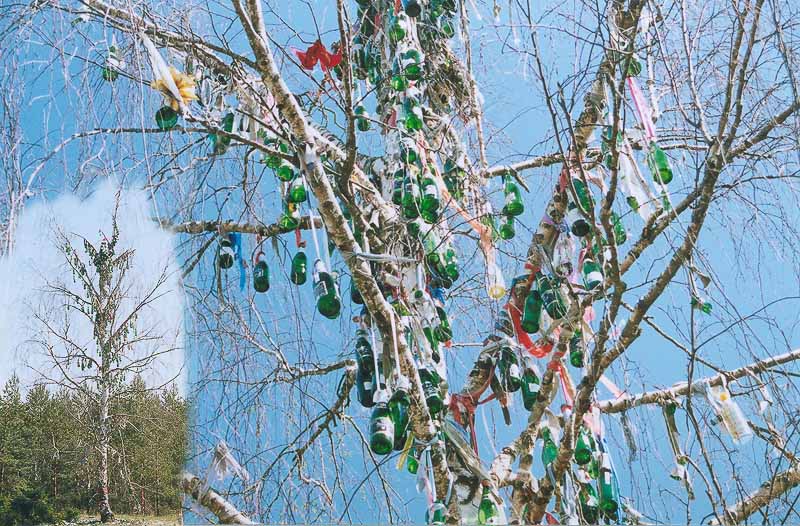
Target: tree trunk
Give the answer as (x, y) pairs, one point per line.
(104, 506)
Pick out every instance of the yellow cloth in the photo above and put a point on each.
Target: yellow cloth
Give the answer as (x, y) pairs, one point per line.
(185, 84)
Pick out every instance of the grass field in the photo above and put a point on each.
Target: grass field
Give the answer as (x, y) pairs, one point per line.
(133, 520)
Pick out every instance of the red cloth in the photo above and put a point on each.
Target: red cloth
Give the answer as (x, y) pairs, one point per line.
(317, 53)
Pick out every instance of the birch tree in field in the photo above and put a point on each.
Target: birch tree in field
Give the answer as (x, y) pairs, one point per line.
(453, 261)
(100, 368)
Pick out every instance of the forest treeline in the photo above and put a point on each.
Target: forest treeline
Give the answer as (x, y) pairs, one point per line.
(48, 457)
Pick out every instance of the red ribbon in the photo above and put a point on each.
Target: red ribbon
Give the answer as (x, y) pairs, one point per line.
(317, 53)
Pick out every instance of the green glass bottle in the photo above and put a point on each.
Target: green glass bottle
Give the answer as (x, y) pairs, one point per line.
(355, 294)
(261, 276)
(411, 197)
(111, 68)
(397, 186)
(225, 253)
(166, 118)
(298, 273)
(577, 223)
(412, 8)
(412, 115)
(446, 27)
(451, 262)
(408, 151)
(442, 331)
(583, 447)
(399, 405)
(398, 27)
(285, 171)
(365, 387)
(430, 388)
(587, 497)
(576, 352)
(530, 385)
(552, 300)
(220, 143)
(412, 64)
(429, 204)
(532, 315)
(362, 118)
(325, 292)
(436, 514)
(487, 510)
(513, 199)
(290, 218)
(592, 274)
(381, 430)
(508, 366)
(273, 159)
(609, 490)
(549, 448)
(507, 230)
(620, 235)
(702, 305)
(399, 82)
(297, 191)
(365, 376)
(583, 193)
(412, 460)
(658, 163)
(634, 66)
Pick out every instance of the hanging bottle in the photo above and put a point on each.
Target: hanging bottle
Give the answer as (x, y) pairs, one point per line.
(487, 510)
(442, 331)
(507, 230)
(220, 143)
(113, 63)
(412, 64)
(412, 114)
(290, 218)
(398, 27)
(532, 315)
(430, 388)
(552, 300)
(592, 274)
(701, 304)
(365, 375)
(261, 276)
(285, 171)
(297, 191)
(436, 514)
(620, 235)
(658, 163)
(429, 204)
(609, 492)
(225, 253)
(381, 427)
(411, 196)
(166, 118)
(513, 199)
(576, 352)
(584, 447)
(399, 405)
(587, 497)
(412, 460)
(530, 384)
(298, 272)
(577, 223)
(325, 292)
(451, 262)
(362, 118)
(508, 366)
(398, 179)
(549, 448)
(412, 8)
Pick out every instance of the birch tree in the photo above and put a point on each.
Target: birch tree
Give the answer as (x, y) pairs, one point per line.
(659, 150)
(102, 369)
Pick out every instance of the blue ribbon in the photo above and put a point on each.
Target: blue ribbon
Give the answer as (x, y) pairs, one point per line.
(236, 241)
